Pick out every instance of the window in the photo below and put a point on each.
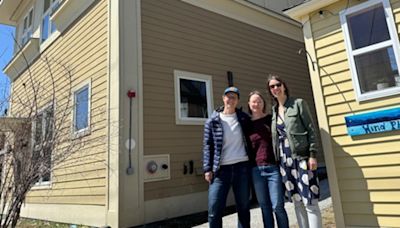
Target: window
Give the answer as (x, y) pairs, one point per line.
(81, 121)
(48, 26)
(69, 11)
(373, 49)
(42, 142)
(193, 102)
(27, 28)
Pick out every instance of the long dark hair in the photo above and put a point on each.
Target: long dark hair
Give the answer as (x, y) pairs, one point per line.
(256, 92)
(279, 79)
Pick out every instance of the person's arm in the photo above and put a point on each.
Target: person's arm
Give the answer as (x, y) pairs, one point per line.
(308, 122)
(246, 125)
(208, 152)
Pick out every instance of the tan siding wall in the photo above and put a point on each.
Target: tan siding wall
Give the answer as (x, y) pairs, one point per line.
(178, 36)
(367, 166)
(82, 48)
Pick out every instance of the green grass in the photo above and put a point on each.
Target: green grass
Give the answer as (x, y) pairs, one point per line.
(32, 223)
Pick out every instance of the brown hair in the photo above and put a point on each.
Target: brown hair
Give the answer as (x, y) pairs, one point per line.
(256, 92)
(279, 79)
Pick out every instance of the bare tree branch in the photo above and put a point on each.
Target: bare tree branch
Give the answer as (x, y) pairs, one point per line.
(38, 139)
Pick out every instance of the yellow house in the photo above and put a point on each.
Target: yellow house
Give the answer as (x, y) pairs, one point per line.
(143, 76)
(353, 55)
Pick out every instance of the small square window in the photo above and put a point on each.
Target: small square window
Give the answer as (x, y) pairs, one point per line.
(192, 97)
(81, 120)
(372, 47)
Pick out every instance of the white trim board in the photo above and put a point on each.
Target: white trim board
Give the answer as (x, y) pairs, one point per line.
(75, 214)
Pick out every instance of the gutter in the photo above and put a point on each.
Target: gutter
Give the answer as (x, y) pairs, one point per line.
(307, 7)
(269, 12)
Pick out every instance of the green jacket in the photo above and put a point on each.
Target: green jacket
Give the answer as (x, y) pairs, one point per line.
(300, 129)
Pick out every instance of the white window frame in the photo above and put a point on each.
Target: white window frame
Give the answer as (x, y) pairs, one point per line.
(178, 74)
(393, 42)
(40, 183)
(26, 32)
(79, 88)
(51, 36)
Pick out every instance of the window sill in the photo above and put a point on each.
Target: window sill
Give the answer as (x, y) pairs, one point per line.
(190, 121)
(68, 12)
(81, 133)
(379, 94)
(22, 59)
(43, 185)
(49, 41)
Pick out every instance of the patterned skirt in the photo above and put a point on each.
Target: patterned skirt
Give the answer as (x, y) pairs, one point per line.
(301, 184)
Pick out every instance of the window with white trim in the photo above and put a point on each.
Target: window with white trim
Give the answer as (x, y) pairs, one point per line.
(26, 33)
(81, 120)
(372, 46)
(193, 97)
(48, 26)
(43, 143)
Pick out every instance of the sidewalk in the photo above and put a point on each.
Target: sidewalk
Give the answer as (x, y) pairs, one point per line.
(230, 221)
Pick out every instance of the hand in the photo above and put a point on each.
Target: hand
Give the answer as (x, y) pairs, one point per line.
(312, 163)
(208, 176)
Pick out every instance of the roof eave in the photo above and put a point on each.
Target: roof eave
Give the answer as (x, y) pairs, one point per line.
(304, 9)
(7, 10)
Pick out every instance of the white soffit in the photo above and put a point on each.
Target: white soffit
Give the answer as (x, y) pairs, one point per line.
(248, 13)
(307, 7)
(7, 9)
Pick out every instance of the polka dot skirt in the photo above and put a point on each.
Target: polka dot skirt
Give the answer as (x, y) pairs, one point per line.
(301, 184)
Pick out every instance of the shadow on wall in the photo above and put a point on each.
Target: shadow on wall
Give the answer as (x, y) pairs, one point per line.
(357, 207)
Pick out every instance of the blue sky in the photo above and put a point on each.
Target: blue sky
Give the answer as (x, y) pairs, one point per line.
(6, 51)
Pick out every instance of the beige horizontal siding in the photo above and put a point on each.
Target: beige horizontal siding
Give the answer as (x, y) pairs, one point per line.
(78, 55)
(367, 166)
(371, 221)
(68, 192)
(326, 42)
(368, 148)
(378, 209)
(369, 160)
(83, 184)
(371, 196)
(346, 140)
(371, 184)
(79, 176)
(356, 107)
(328, 50)
(343, 97)
(179, 36)
(90, 199)
(386, 214)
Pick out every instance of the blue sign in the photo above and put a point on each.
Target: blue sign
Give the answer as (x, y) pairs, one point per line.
(373, 122)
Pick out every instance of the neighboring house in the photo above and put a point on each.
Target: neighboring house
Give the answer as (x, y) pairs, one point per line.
(168, 60)
(354, 58)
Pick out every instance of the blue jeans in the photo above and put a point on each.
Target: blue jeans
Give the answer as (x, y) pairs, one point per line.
(237, 176)
(269, 191)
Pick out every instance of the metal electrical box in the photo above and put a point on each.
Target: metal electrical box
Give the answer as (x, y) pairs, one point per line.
(156, 167)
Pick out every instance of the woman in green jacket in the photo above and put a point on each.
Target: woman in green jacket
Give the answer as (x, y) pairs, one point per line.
(294, 142)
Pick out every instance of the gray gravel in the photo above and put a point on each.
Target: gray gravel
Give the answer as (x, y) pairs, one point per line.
(256, 218)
